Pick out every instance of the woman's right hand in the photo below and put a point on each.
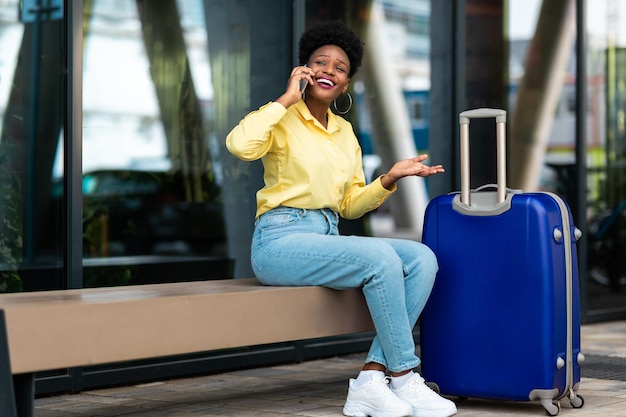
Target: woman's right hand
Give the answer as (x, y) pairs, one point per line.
(293, 93)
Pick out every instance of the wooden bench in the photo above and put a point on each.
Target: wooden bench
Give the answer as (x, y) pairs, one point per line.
(68, 328)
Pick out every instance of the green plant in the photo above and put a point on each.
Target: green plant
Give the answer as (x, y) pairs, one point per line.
(11, 243)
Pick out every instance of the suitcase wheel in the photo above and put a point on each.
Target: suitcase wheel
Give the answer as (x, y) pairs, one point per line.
(552, 408)
(577, 401)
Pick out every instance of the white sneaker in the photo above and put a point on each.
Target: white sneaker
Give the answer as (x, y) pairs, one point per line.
(425, 401)
(375, 399)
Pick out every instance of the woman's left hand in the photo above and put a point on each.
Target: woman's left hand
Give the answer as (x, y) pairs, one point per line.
(409, 167)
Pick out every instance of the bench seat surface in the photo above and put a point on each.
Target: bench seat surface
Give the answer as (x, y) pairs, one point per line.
(65, 328)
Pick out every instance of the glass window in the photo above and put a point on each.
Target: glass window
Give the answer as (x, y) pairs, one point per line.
(32, 113)
(391, 99)
(542, 82)
(534, 53)
(151, 177)
(606, 150)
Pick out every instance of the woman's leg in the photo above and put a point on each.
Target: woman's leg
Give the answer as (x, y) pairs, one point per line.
(419, 269)
(301, 247)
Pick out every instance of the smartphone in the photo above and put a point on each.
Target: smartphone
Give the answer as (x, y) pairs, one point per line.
(303, 84)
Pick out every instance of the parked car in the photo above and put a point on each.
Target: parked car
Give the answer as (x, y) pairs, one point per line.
(129, 212)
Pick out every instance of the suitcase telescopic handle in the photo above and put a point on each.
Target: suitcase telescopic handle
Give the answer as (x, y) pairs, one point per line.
(464, 121)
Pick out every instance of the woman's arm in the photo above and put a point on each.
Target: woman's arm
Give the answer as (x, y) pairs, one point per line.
(251, 138)
(409, 167)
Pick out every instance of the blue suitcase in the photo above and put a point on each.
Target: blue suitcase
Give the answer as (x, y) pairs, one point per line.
(503, 320)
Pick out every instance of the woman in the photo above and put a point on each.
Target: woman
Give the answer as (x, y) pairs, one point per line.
(313, 174)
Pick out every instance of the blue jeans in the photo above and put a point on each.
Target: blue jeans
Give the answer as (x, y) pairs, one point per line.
(303, 247)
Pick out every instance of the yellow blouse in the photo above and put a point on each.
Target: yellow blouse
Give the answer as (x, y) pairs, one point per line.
(306, 165)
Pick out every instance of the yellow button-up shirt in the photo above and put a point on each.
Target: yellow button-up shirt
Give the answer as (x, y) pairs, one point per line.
(306, 165)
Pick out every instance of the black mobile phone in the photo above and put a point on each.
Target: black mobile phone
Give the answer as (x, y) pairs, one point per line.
(303, 84)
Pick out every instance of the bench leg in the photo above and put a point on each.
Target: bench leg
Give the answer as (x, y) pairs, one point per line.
(7, 397)
(24, 387)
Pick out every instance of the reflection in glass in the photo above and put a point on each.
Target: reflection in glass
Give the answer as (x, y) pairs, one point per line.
(607, 163)
(151, 186)
(542, 75)
(605, 137)
(32, 113)
(391, 95)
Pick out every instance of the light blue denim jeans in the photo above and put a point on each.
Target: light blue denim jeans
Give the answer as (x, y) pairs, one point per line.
(303, 247)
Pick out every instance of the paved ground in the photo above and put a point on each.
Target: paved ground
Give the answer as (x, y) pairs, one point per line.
(318, 388)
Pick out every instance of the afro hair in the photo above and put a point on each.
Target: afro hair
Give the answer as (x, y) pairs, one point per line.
(331, 33)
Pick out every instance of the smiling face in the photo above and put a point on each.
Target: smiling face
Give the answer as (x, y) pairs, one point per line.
(331, 66)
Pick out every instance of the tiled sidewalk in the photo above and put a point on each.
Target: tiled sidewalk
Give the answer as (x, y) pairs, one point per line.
(318, 388)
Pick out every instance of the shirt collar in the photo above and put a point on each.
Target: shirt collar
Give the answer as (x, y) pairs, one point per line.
(302, 108)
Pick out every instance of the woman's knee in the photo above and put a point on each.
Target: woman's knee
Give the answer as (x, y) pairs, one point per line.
(381, 257)
(428, 259)
(417, 255)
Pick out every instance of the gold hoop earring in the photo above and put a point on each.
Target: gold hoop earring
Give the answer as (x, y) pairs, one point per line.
(349, 105)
